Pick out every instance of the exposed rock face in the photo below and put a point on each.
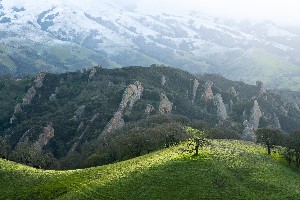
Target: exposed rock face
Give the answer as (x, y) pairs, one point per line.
(45, 137)
(52, 98)
(255, 116)
(32, 91)
(79, 112)
(195, 87)
(276, 122)
(221, 112)
(261, 88)
(248, 132)
(92, 73)
(29, 96)
(163, 80)
(165, 106)
(131, 94)
(12, 119)
(149, 109)
(208, 94)
(80, 126)
(39, 80)
(252, 125)
(115, 123)
(96, 116)
(17, 109)
(230, 107)
(233, 91)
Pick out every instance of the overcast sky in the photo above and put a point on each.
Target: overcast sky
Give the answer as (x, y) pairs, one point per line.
(281, 11)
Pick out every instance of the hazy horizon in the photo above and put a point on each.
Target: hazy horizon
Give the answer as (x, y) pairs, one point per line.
(282, 12)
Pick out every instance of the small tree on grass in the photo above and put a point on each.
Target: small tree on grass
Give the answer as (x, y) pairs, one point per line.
(271, 138)
(198, 140)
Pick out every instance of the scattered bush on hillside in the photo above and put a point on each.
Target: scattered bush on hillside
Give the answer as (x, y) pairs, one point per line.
(271, 138)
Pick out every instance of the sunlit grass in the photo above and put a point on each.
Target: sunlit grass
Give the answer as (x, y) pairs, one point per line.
(223, 170)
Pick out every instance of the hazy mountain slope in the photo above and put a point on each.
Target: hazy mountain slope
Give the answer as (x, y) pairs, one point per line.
(226, 169)
(121, 36)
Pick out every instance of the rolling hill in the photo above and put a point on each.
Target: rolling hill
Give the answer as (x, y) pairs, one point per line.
(226, 169)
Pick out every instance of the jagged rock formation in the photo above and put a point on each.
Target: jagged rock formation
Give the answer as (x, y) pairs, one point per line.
(255, 116)
(233, 91)
(261, 88)
(39, 80)
(248, 132)
(230, 107)
(52, 98)
(276, 121)
(252, 125)
(195, 87)
(221, 108)
(80, 126)
(96, 116)
(29, 96)
(208, 93)
(45, 137)
(149, 109)
(86, 130)
(165, 106)
(92, 73)
(17, 109)
(163, 81)
(131, 94)
(79, 112)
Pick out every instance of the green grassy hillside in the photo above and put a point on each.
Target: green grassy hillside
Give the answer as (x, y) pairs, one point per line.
(224, 170)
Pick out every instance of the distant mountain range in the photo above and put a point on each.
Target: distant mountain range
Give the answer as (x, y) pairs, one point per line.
(60, 36)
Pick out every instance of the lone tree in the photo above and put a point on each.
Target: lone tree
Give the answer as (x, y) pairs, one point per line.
(198, 140)
(271, 137)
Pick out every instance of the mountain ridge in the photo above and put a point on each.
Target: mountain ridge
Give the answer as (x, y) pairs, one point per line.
(110, 35)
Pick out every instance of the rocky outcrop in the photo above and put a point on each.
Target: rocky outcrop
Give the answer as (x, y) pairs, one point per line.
(52, 98)
(255, 116)
(276, 122)
(163, 81)
(208, 93)
(221, 108)
(261, 88)
(29, 96)
(131, 94)
(248, 132)
(195, 87)
(38, 83)
(165, 106)
(149, 109)
(230, 107)
(39, 80)
(92, 73)
(233, 91)
(79, 112)
(45, 137)
(17, 109)
(252, 125)
(95, 117)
